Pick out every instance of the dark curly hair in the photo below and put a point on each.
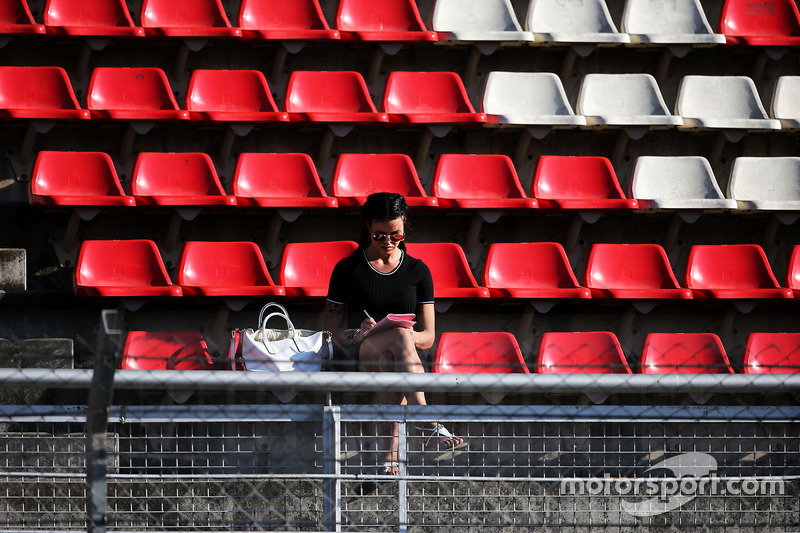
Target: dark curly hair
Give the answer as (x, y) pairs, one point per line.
(383, 206)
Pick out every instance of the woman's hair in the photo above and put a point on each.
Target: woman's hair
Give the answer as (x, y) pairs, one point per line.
(383, 206)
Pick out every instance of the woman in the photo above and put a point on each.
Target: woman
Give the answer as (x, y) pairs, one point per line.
(378, 279)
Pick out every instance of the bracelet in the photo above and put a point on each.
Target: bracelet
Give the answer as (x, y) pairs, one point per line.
(354, 335)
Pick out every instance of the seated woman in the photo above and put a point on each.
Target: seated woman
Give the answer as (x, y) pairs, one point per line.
(378, 279)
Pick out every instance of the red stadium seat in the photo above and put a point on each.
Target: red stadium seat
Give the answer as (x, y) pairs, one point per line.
(231, 96)
(279, 181)
(684, 353)
(479, 353)
(285, 20)
(793, 272)
(38, 93)
(16, 19)
(478, 181)
(130, 93)
(772, 353)
(356, 176)
(186, 18)
(77, 179)
(449, 268)
(165, 350)
(388, 20)
(632, 271)
(764, 23)
(594, 352)
(327, 96)
(578, 182)
(91, 18)
(224, 269)
(177, 179)
(534, 270)
(306, 267)
(132, 268)
(731, 271)
(428, 98)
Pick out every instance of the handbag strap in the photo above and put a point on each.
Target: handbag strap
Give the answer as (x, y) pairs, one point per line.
(271, 304)
(288, 323)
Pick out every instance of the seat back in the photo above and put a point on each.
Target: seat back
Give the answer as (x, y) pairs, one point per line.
(175, 174)
(772, 353)
(479, 352)
(75, 174)
(575, 177)
(425, 92)
(793, 272)
(525, 95)
(552, 16)
(773, 18)
(629, 266)
(165, 350)
(229, 90)
(327, 91)
(719, 97)
(785, 105)
(282, 15)
(534, 265)
(476, 176)
(591, 352)
(308, 265)
(447, 263)
(184, 14)
(130, 88)
(39, 88)
(774, 180)
(684, 353)
(285, 175)
(387, 15)
(620, 95)
(735, 266)
(474, 15)
(679, 17)
(92, 13)
(222, 264)
(16, 12)
(130, 263)
(359, 175)
(674, 177)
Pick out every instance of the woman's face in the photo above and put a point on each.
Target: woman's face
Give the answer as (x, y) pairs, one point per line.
(383, 232)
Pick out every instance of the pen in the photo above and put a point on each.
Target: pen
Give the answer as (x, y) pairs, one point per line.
(365, 312)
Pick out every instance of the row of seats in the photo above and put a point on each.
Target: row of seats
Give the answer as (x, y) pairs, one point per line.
(134, 268)
(460, 181)
(767, 23)
(509, 98)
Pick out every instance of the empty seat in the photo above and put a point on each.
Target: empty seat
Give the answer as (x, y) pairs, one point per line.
(631, 271)
(16, 19)
(533, 270)
(793, 272)
(785, 105)
(77, 179)
(767, 23)
(356, 176)
(285, 20)
(578, 182)
(186, 18)
(279, 181)
(131, 268)
(494, 352)
(428, 97)
(165, 350)
(527, 98)
(452, 277)
(721, 102)
(624, 100)
(306, 267)
(588, 22)
(231, 96)
(589, 352)
(328, 96)
(739, 271)
(478, 181)
(772, 353)
(131, 93)
(477, 21)
(684, 353)
(38, 93)
(680, 22)
(388, 20)
(676, 182)
(177, 179)
(766, 183)
(92, 18)
(224, 269)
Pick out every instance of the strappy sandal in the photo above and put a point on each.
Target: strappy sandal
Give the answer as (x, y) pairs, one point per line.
(389, 468)
(437, 432)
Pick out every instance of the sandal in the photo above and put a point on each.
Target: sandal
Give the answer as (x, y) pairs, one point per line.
(389, 468)
(439, 431)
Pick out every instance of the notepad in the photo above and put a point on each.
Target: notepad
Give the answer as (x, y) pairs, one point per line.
(392, 321)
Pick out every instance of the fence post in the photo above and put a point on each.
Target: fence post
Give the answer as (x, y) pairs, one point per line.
(96, 428)
(332, 484)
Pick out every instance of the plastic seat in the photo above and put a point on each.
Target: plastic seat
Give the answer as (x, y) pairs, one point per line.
(684, 353)
(328, 96)
(177, 179)
(186, 18)
(721, 102)
(79, 179)
(428, 97)
(766, 183)
(92, 18)
(388, 20)
(16, 19)
(131, 268)
(494, 352)
(279, 181)
(772, 353)
(767, 23)
(478, 181)
(589, 352)
(677, 182)
(285, 20)
(477, 21)
(224, 269)
(578, 182)
(533, 270)
(731, 271)
(38, 93)
(527, 98)
(624, 100)
(588, 23)
(306, 267)
(681, 22)
(632, 271)
(130, 93)
(165, 350)
(356, 176)
(231, 96)
(452, 277)
(785, 105)
(793, 272)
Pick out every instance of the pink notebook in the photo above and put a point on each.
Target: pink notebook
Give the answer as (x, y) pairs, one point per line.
(392, 321)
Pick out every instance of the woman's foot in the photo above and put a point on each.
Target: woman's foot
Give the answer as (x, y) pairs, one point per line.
(437, 437)
(390, 465)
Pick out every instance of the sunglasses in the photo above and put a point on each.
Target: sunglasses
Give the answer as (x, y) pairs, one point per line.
(394, 237)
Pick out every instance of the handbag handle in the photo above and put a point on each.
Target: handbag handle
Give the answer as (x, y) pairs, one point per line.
(272, 304)
(284, 316)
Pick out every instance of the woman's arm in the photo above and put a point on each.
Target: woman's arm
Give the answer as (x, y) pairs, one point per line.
(335, 322)
(423, 339)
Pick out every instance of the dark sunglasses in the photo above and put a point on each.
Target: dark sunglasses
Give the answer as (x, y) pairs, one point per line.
(394, 237)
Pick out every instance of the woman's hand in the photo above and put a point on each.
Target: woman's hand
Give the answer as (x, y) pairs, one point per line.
(366, 325)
